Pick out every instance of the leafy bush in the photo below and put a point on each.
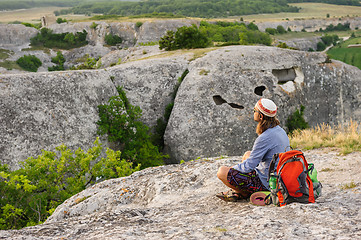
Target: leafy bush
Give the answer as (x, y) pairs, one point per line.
(59, 60)
(330, 39)
(31, 194)
(281, 29)
(94, 25)
(271, 31)
(296, 120)
(121, 122)
(184, 37)
(37, 26)
(138, 24)
(321, 46)
(61, 20)
(112, 40)
(29, 63)
(249, 37)
(90, 63)
(48, 39)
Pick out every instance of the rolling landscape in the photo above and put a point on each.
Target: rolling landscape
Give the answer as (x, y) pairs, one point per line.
(116, 115)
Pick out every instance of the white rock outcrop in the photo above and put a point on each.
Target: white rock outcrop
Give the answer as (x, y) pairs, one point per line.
(178, 202)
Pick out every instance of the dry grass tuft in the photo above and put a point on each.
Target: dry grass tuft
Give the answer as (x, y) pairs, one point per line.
(347, 138)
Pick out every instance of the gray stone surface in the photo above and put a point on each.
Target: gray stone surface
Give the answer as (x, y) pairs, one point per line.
(152, 31)
(41, 111)
(149, 84)
(311, 25)
(198, 127)
(178, 202)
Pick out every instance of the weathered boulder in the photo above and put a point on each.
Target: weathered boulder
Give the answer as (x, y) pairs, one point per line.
(41, 111)
(151, 31)
(178, 202)
(303, 44)
(149, 84)
(44, 110)
(12, 35)
(213, 110)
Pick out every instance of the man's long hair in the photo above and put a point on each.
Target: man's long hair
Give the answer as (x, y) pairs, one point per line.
(265, 123)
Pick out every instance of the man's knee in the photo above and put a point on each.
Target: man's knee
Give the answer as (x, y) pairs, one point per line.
(222, 172)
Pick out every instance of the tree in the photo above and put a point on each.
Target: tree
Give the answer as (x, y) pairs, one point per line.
(111, 39)
(271, 31)
(30, 194)
(190, 37)
(29, 63)
(184, 37)
(59, 60)
(121, 122)
(281, 29)
(321, 46)
(249, 37)
(167, 42)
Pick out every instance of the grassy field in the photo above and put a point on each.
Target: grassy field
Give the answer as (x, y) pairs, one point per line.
(309, 10)
(347, 138)
(350, 56)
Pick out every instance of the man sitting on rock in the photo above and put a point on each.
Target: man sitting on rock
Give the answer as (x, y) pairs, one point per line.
(251, 174)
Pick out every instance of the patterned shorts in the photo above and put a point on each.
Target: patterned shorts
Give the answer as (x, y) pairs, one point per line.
(247, 182)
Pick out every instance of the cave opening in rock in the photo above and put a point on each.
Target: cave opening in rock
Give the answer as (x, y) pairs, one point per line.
(259, 90)
(219, 101)
(235, 105)
(284, 75)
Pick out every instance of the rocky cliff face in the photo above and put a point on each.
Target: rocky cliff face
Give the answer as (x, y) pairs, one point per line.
(178, 202)
(41, 111)
(311, 25)
(212, 114)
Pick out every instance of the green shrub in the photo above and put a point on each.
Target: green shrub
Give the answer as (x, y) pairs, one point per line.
(138, 24)
(48, 39)
(90, 63)
(31, 194)
(29, 63)
(61, 20)
(281, 29)
(321, 46)
(184, 37)
(296, 120)
(112, 40)
(249, 37)
(59, 60)
(271, 31)
(121, 122)
(37, 25)
(94, 25)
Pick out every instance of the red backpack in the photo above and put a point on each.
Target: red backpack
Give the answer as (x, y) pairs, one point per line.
(293, 181)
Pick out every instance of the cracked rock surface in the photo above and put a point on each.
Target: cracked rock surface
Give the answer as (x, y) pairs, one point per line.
(178, 202)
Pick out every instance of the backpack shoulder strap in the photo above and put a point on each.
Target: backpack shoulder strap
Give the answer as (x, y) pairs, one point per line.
(272, 165)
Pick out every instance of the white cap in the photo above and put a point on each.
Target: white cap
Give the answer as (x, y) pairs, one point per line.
(266, 107)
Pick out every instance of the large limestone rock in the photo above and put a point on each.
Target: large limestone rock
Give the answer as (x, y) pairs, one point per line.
(178, 202)
(15, 35)
(213, 110)
(151, 31)
(149, 84)
(41, 111)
